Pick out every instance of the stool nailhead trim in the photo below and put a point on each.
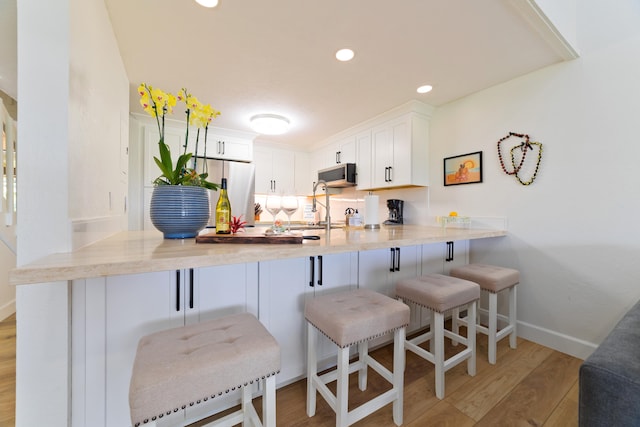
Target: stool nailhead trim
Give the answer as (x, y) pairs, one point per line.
(206, 398)
(362, 340)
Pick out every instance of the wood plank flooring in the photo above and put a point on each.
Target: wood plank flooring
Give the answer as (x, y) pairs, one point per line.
(530, 386)
(8, 371)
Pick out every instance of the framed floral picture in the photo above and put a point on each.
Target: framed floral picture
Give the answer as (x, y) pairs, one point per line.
(463, 169)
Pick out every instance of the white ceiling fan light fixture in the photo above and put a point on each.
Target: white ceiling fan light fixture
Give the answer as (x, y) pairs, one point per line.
(425, 89)
(345, 55)
(207, 3)
(269, 124)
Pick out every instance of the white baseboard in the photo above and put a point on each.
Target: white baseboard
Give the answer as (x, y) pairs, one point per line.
(557, 341)
(7, 309)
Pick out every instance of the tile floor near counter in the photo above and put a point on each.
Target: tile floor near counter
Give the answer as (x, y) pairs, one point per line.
(530, 386)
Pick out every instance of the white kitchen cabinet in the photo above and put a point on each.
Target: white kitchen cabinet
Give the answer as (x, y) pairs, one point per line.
(219, 145)
(400, 152)
(140, 304)
(342, 151)
(304, 176)
(380, 269)
(363, 160)
(275, 170)
(225, 147)
(284, 287)
(442, 257)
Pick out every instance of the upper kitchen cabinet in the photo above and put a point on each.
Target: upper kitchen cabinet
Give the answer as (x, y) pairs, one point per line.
(221, 144)
(275, 170)
(389, 150)
(399, 152)
(227, 146)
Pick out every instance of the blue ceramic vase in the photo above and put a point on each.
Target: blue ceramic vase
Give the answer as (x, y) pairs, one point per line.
(179, 211)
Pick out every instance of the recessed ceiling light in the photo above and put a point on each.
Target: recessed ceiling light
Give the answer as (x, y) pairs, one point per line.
(425, 89)
(269, 124)
(207, 3)
(344, 55)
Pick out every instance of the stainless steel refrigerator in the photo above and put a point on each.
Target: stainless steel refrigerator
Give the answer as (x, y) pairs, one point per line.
(240, 187)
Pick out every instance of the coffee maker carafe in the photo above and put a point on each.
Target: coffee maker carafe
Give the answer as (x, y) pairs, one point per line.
(395, 211)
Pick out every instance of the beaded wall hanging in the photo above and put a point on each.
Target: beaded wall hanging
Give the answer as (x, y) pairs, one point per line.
(518, 154)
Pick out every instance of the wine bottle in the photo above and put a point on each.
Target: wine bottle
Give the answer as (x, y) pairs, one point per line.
(223, 210)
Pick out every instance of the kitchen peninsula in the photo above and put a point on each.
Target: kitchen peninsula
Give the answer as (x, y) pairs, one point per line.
(134, 283)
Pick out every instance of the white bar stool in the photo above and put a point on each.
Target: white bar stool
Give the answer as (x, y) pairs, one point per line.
(349, 318)
(439, 293)
(181, 367)
(493, 280)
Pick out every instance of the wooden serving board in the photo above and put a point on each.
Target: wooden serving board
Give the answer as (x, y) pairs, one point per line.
(248, 238)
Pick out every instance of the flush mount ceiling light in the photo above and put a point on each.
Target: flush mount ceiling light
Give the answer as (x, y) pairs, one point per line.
(344, 55)
(207, 3)
(425, 89)
(269, 124)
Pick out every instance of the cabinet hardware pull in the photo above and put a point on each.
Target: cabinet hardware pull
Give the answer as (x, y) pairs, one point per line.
(177, 290)
(393, 259)
(319, 270)
(311, 271)
(337, 157)
(223, 147)
(390, 173)
(449, 252)
(398, 259)
(191, 288)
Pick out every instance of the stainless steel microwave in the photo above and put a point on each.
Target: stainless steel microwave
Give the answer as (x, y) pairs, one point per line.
(341, 175)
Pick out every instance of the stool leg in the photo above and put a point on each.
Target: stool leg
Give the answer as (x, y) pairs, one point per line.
(438, 341)
(455, 326)
(342, 388)
(398, 374)
(363, 351)
(512, 316)
(312, 369)
(247, 400)
(269, 402)
(471, 337)
(493, 326)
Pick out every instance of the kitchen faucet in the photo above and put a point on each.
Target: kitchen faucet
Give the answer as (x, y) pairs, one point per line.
(314, 209)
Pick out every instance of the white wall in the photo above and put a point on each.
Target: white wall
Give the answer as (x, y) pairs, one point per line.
(572, 233)
(71, 97)
(98, 125)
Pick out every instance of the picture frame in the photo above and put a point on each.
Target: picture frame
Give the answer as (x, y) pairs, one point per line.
(463, 169)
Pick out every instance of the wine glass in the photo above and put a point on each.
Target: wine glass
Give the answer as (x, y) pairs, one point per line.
(289, 206)
(273, 205)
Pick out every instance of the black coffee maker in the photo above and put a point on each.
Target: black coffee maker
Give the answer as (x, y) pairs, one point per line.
(395, 211)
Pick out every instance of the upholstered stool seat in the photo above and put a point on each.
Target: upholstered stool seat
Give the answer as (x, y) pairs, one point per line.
(350, 318)
(178, 368)
(492, 279)
(439, 293)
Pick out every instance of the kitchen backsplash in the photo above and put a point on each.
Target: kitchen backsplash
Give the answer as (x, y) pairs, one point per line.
(416, 205)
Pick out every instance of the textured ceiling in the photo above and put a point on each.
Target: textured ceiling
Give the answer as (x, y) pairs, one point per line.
(254, 56)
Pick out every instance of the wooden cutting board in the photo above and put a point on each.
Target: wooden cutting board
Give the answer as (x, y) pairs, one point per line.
(248, 238)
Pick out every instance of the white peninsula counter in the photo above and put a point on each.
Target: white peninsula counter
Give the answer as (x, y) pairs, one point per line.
(146, 251)
(135, 283)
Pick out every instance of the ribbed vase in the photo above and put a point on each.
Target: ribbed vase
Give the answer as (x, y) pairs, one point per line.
(179, 211)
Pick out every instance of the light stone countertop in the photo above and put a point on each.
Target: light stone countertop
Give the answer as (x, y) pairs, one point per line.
(146, 251)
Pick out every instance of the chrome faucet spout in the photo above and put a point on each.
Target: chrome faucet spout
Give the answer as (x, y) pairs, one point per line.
(326, 206)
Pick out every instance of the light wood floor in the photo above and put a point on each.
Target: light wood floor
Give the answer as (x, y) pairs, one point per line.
(8, 372)
(530, 386)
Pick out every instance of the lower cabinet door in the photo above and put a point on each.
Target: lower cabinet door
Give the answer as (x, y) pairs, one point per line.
(283, 285)
(332, 273)
(136, 305)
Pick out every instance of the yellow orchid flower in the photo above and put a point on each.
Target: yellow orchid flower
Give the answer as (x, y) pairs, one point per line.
(157, 104)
